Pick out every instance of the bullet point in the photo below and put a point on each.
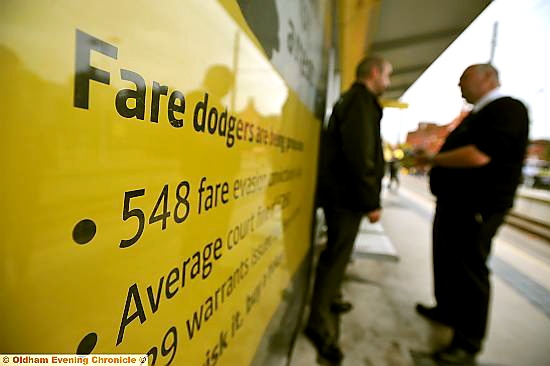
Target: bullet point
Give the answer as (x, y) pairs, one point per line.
(87, 344)
(84, 231)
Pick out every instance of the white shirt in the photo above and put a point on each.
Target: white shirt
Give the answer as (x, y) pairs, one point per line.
(486, 99)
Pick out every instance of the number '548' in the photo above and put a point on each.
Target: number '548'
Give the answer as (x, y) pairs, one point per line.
(159, 213)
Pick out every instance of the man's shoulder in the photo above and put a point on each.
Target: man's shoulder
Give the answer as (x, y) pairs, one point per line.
(356, 95)
(504, 114)
(506, 102)
(353, 93)
(359, 93)
(506, 107)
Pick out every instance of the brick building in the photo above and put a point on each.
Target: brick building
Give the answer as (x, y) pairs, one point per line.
(430, 136)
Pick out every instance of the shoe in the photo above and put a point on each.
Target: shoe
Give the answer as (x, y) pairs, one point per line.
(340, 307)
(326, 350)
(454, 355)
(433, 313)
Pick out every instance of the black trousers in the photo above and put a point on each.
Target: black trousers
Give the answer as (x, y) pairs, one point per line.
(342, 228)
(461, 246)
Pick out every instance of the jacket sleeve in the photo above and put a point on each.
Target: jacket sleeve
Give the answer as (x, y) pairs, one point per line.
(358, 132)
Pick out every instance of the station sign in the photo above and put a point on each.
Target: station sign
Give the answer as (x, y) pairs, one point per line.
(158, 181)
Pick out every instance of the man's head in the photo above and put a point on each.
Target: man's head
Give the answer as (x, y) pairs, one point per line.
(478, 80)
(375, 73)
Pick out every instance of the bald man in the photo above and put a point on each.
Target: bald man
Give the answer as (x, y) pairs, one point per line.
(474, 178)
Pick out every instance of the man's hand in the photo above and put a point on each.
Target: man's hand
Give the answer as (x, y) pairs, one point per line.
(375, 215)
(423, 158)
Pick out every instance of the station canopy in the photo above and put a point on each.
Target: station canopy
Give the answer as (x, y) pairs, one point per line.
(413, 34)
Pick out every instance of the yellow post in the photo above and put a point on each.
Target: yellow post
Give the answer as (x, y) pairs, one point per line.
(355, 17)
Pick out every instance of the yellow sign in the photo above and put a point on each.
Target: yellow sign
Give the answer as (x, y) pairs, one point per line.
(158, 180)
(393, 103)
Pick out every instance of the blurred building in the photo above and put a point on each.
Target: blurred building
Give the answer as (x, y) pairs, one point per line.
(430, 136)
(539, 149)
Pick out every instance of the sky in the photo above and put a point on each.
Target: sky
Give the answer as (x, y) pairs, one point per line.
(521, 54)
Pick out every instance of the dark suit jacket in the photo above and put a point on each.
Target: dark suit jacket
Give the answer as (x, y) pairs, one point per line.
(500, 130)
(351, 159)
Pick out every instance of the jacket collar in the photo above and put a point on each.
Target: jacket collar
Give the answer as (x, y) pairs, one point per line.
(486, 99)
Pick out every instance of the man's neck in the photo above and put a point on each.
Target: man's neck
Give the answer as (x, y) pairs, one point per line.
(369, 85)
(486, 99)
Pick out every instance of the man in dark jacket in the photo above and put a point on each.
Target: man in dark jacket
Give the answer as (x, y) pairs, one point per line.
(350, 174)
(474, 178)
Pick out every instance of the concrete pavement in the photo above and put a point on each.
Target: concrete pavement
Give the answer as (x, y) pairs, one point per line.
(383, 328)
